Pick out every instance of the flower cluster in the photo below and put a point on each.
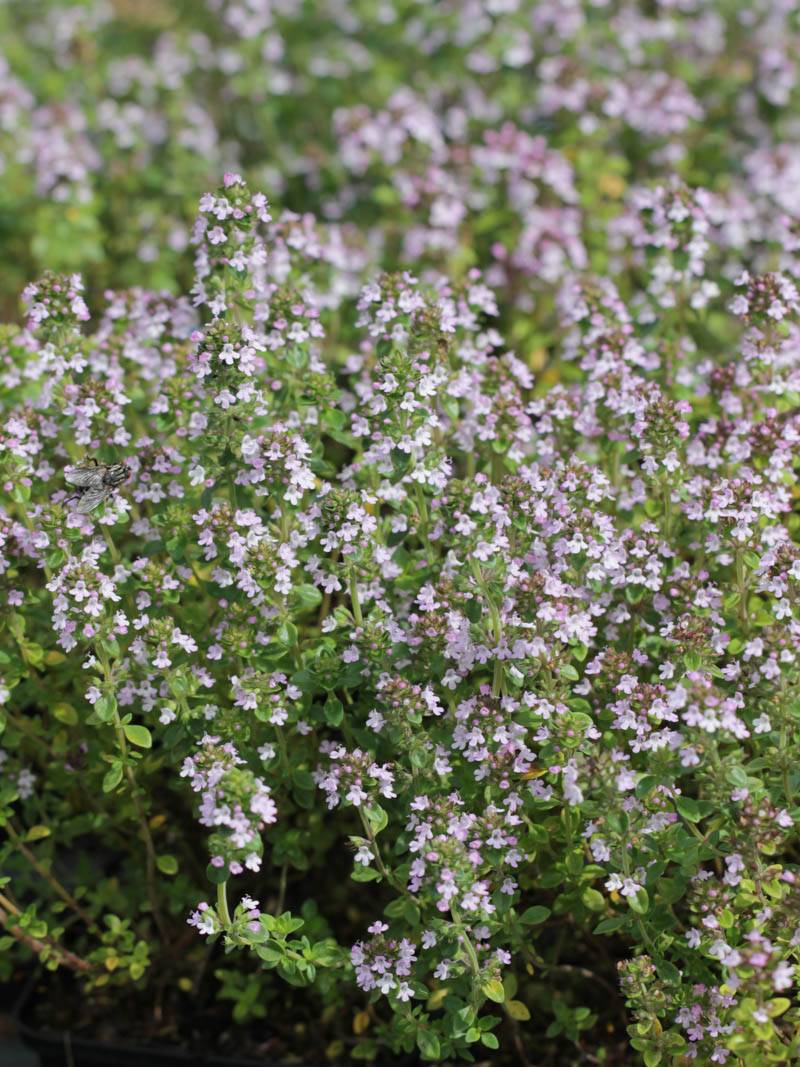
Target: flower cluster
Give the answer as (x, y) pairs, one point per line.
(233, 801)
(454, 591)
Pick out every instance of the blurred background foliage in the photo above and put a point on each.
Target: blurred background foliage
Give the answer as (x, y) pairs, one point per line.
(502, 133)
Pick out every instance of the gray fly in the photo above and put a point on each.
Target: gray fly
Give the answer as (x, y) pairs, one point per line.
(94, 482)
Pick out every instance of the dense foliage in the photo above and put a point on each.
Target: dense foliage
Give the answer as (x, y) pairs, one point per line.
(400, 598)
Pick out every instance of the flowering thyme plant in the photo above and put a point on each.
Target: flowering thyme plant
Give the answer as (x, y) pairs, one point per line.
(515, 656)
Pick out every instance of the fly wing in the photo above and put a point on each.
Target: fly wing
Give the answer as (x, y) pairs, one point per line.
(84, 477)
(91, 498)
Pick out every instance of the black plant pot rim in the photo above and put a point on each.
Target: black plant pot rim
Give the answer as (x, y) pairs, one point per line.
(77, 1050)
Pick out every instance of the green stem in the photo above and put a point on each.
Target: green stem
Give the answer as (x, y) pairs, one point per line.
(150, 852)
(424, 521)
(783, 743)
(112, 548)
(359, 618)
(376, 851)
(46, 946)
(472, 955)
(48, 876)
(222, 906)
(741, 585)
(667, 493)
(31, 529)
(284, 754)
(497, 627)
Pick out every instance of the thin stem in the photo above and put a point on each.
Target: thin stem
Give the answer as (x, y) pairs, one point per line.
(376, 851)
(25, 727)
(43, 946)
(222, 905)
(48, 876)
(424, 522)
(150, 852)
(498, 678)
(112, 548)
(783, 743)
(283, 750)
(359, 618)
(472, 955)
(667, 492)
(31, 529)
(741, 585)
(282, 889)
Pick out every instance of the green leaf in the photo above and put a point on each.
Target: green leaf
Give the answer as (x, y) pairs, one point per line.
(31, 652)
(535, 915)
(668, 971)
(217, 875)
(112, 777)
(378, 819)
(692, 661)
(306, 681)
(737, 776)
(65, 713)
(305, 597)
(490, 1041)
(138, 735)
(302, 778)
(777, 1006)
(334, 710)
(287, 635)
(593, 899)
(689, 809)
(167, 864)
(428, 1044)
(179, 685)
(365, 874)
(645, 784)
(411, 912)
(105, 707)
(609, 926)
(640, 902)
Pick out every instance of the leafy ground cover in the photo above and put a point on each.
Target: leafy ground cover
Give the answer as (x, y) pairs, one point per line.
(400, 541)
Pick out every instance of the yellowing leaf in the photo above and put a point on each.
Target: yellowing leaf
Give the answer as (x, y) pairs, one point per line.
(517, 1010)
(611, 185)
(494, 990)
(65, 713)
(361, 1022)
(437, 998)
(537, 357)
(37, 833)
(778, 1006)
